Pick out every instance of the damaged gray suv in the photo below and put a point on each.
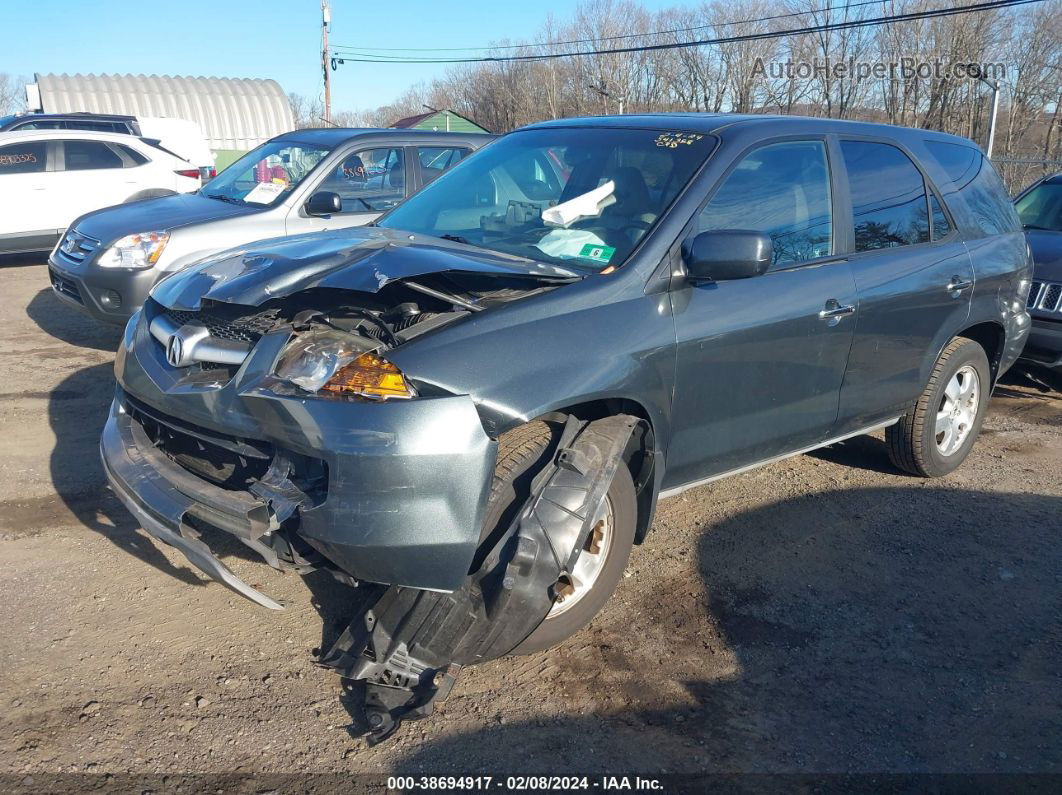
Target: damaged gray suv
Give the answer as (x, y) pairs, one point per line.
(472, 407)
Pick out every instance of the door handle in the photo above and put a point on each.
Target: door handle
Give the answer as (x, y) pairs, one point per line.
(957, 285)
(834, 309)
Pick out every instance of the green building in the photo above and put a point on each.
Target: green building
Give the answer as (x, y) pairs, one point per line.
(439, 121)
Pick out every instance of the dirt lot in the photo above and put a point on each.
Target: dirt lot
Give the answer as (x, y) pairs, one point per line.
(824, 614)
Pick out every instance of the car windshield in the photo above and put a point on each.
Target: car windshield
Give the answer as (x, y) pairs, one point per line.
(1041, 208)
(264, 176)
(579, 197)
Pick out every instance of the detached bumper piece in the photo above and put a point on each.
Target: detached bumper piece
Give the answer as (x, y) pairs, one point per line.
(410, 646)
(171, 503)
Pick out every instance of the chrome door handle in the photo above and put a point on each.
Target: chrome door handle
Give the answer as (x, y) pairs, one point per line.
(837, 311)
(958, 284)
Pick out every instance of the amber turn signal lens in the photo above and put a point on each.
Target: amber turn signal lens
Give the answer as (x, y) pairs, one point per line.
(371, 376)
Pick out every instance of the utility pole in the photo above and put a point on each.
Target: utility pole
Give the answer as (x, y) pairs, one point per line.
(326, 19)
(606, 96)
(994, 84)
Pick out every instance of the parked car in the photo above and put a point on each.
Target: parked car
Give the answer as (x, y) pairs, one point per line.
(50, 177)
(1040, 210)
(473, 406)
(182, 137)
(302, 181)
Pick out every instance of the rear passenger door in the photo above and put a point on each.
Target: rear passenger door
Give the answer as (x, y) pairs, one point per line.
(432, 161)
(759, 361)
(913, 275)
(91, 175)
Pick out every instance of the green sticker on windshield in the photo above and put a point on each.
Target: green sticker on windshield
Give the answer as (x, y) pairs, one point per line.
(600, 254)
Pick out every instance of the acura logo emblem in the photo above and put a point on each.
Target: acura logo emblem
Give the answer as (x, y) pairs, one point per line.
(175, 351)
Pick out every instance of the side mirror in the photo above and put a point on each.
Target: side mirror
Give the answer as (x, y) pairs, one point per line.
(324, 202)
(725, 254)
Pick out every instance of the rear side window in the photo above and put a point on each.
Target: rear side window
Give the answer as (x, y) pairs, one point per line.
(26, 158)
(972, 177)
(782, 190)
(130, 157)
(434, 160)
(889, 206)
(941, 227)
(88, 155)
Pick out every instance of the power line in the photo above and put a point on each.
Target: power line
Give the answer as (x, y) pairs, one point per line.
(613, 38)
(366, 57)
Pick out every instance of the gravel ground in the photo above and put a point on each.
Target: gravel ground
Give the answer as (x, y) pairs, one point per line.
(823, 614)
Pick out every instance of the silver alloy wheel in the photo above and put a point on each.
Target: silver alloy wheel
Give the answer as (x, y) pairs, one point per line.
(958, 410)
(591, 561)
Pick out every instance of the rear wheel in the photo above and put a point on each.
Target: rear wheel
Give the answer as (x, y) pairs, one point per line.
(937, 433)
(522, 453)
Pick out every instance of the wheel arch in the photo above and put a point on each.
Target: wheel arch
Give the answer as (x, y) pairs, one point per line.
(991, 336)
(641, 455)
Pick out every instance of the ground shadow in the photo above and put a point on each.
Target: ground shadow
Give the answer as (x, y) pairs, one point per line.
(864, 452)
(885, 630)
(71, 325)
(77, 411)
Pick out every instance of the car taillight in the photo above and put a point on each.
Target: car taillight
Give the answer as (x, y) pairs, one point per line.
(192, 173)
(207, 173)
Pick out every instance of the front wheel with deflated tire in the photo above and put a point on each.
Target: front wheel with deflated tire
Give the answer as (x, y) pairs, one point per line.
(522, 452)
(936, 434)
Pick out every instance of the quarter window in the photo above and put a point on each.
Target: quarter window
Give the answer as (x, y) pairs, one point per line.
(974, 179)
(27, 158)
(89, 155)
(782, 190)
(889, 205)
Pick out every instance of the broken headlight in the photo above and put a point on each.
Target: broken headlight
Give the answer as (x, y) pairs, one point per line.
(333, 363)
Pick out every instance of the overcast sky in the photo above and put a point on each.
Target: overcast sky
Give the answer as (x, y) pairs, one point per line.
(259, 38)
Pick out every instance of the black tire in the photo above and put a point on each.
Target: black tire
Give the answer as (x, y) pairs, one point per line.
(149, 193)
(522, 452)
(912, 441)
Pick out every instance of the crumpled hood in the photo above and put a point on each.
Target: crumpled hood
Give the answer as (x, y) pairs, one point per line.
(165, 212)
(1046, 249)
(363, 259)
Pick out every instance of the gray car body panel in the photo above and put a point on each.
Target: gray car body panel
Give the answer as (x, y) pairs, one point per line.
(713, 368)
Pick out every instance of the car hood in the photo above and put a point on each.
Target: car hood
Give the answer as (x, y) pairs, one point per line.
(165, 212)
(1046, 249)
(362, 259)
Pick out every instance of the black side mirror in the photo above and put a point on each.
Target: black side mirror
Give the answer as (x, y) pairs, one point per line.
(724, 254)
(324, 202)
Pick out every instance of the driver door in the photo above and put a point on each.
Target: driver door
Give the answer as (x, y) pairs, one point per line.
(369, 182)
(759, 369)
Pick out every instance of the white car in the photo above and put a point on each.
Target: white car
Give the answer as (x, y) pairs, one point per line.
(50, 177)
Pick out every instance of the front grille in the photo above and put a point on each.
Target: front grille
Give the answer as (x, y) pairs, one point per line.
(1045, 297)
(227, 324)
(63, 285)
(76, 246)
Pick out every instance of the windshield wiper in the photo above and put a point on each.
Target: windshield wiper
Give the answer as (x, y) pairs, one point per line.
(1038, 228)
(458, 239)
(224, 198)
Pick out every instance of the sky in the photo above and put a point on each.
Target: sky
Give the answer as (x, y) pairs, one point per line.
(277, 39)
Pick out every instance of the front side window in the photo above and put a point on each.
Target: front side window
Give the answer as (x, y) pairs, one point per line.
(782, 190)
(889, 204)
(27, 158)
(267, 174)
(1041, 208)
(89, 155)
(574, 196)
(369, 180)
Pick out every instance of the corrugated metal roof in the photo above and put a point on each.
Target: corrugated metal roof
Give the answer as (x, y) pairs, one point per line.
(234, 113)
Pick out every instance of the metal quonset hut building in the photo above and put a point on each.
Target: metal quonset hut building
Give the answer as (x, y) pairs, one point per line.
(235, 114)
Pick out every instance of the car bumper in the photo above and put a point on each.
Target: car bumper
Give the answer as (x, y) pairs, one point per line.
(1045, 343)
(108, 294)
(406, 485)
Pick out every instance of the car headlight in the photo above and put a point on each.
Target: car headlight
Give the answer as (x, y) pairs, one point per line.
(141, 250)
(333, 363)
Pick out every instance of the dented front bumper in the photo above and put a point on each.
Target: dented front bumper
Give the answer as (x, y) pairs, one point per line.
(405, 487)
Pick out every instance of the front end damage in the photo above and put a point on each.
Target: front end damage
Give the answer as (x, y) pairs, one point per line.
(208, 432)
